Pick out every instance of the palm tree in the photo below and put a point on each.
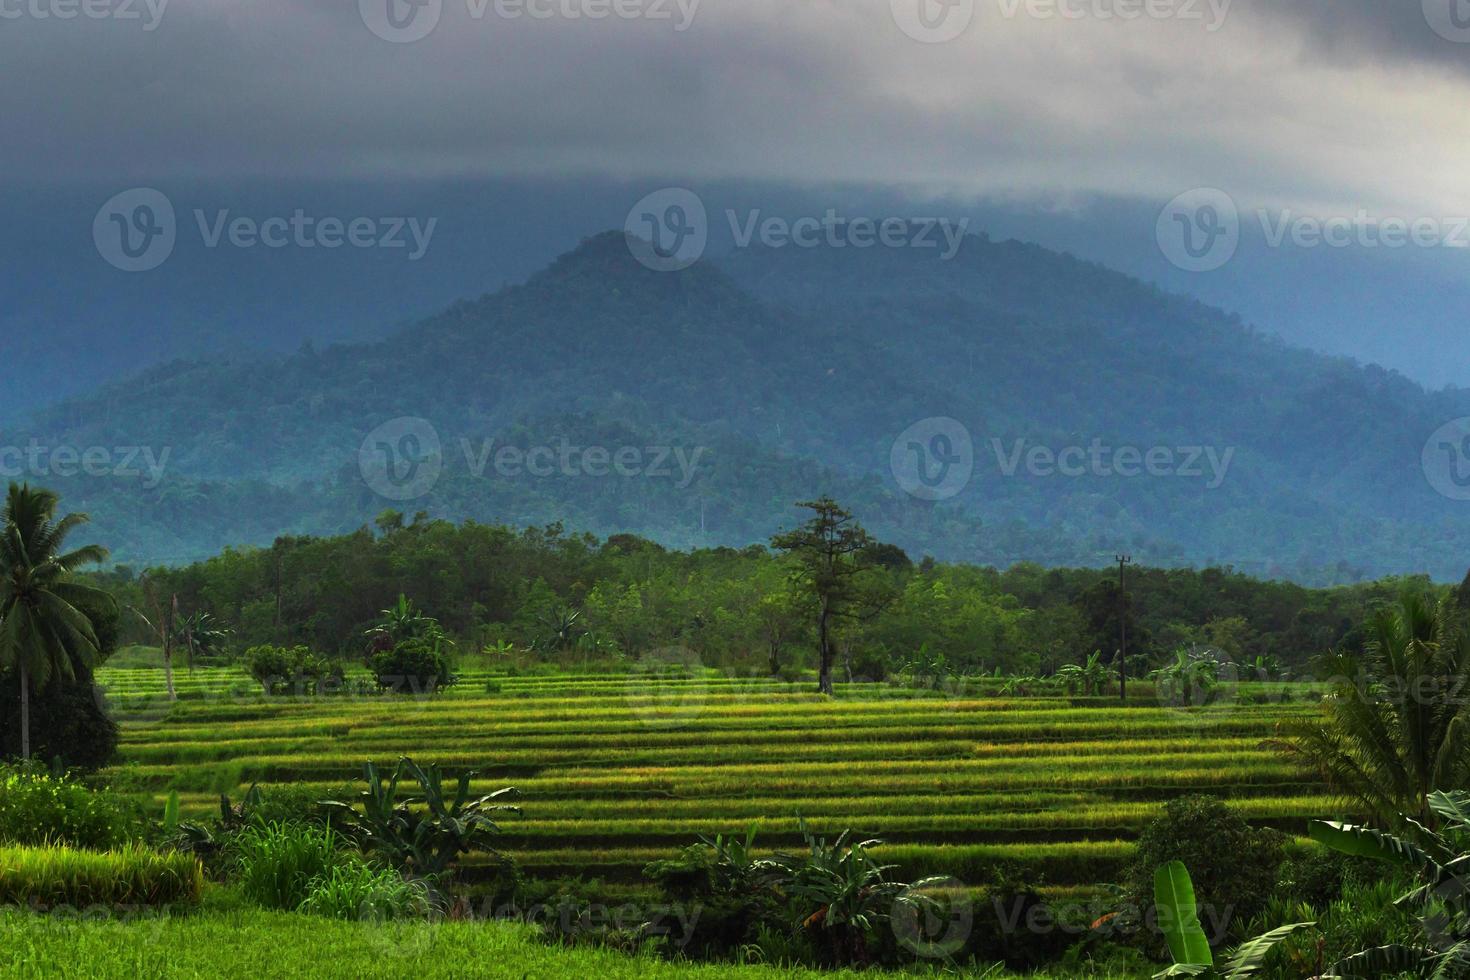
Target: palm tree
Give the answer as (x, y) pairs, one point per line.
(1398, 725)
(45, 625)
(201, 634)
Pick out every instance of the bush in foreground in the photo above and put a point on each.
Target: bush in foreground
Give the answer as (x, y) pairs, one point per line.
(1234, 865)
(37, 808)
(134, 875)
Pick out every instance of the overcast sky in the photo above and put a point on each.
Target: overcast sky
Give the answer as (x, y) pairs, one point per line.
(1325, 105)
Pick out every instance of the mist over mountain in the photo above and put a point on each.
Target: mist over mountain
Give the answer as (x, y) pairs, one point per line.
(1394, 307)
(1101, 415)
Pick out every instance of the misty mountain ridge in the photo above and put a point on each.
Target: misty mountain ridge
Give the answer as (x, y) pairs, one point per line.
(789, 372)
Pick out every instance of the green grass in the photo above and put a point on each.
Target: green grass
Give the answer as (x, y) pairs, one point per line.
(280, 944)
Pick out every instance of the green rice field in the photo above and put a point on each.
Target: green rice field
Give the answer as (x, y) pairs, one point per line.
(618, 770)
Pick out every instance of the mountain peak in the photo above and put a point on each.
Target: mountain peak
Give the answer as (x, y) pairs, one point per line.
(610, 257)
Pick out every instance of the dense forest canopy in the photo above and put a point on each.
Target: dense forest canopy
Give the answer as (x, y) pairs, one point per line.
(555, 592)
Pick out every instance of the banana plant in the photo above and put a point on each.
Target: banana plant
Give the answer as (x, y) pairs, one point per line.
(1439, 860)
(929, 669)
(1188, 680)
(1088, 678)
(424, 833)
(1265, 667)
(844, 895)
(1178, 917)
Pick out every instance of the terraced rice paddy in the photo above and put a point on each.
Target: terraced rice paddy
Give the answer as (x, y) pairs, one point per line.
(616, 771)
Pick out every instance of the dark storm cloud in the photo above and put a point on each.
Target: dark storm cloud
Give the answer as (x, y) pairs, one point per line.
(1300, 100)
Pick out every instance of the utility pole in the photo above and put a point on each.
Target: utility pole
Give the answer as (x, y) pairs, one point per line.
(1123, 562)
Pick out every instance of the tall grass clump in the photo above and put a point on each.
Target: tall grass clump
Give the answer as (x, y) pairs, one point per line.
(132, 875)
(301, 868)
(355, 891)
(279, 863)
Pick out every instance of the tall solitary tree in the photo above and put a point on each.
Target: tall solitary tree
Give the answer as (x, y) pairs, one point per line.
(832, 553)
(45, 630)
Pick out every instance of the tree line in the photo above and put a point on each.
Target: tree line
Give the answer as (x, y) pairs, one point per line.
(826, 594)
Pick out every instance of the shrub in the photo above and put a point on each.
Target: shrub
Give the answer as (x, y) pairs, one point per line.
(1319, 876)
(38, 808)
(134, 875)
(414, 667)
(279, 864)
(1233, 864)
(356, 891)
(282, 670)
